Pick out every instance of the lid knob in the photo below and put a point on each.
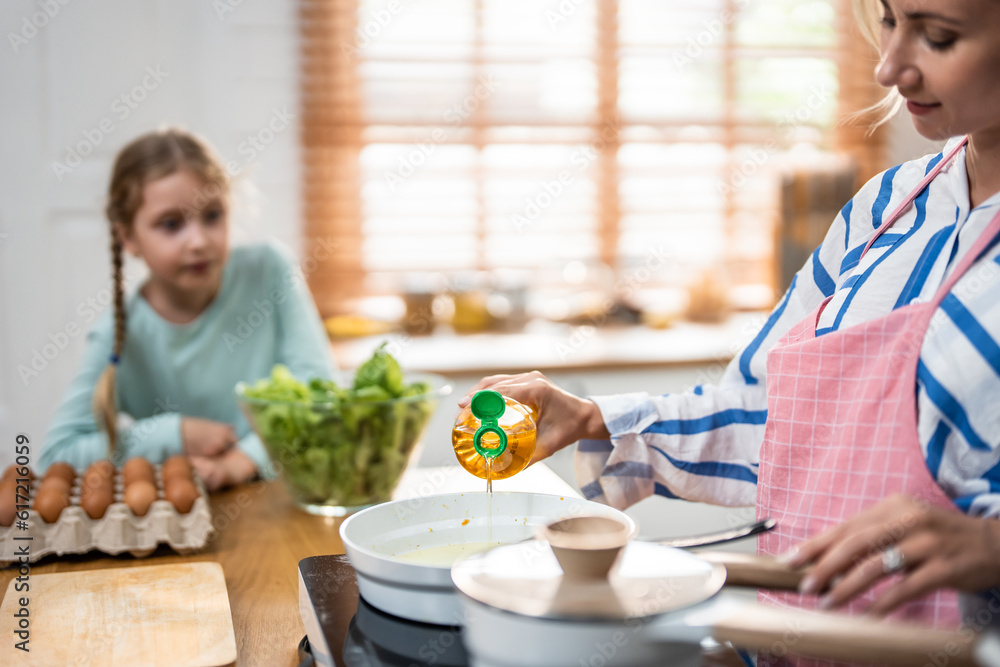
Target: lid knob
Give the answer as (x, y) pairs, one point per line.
(587, 546)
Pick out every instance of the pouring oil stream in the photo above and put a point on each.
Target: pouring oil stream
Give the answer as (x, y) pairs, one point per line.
(489, 494)
(488, 406)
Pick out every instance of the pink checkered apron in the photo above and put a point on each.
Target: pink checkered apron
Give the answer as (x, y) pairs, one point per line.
(841, 431)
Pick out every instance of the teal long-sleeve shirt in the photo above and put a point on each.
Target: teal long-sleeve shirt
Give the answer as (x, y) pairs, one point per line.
(262, 315)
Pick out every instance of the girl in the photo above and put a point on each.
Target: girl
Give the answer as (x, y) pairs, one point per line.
(158, 372)
(868, 401)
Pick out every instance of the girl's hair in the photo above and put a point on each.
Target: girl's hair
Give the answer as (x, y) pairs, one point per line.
(869, 18)
(147, 158)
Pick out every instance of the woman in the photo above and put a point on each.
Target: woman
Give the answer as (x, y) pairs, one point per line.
(863, 415)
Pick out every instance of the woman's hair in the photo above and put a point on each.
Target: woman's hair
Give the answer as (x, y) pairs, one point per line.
(147, 158)
(869, 18)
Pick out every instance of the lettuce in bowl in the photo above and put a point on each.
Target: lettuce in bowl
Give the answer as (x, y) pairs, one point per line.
(340, 448)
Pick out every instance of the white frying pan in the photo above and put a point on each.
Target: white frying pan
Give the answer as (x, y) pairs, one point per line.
(377, 539)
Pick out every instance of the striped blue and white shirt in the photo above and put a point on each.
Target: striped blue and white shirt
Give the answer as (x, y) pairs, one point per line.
(704, 444)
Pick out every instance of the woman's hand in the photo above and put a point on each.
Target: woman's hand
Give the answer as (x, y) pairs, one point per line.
(940, 548)
(231, 468)
(204, 437)
(562, 418)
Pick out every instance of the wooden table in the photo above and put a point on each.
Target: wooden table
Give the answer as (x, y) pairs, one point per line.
(260, 538)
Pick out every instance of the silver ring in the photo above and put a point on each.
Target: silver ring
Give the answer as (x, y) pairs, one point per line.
(893, 560)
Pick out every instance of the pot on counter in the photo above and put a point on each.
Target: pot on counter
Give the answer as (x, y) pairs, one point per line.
(523, 607)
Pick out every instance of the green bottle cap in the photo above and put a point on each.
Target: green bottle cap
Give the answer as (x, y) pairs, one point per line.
(488, 406)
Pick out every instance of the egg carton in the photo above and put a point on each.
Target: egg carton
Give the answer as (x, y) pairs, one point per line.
(118, 531)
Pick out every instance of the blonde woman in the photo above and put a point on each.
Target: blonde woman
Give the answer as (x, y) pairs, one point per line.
(864, 416)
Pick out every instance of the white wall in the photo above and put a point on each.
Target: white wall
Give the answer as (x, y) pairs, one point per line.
(221, 76)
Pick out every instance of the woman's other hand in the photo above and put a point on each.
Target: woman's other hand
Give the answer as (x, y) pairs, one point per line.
(204, 437)
(231, 468)
(931, 547)
(561, 417)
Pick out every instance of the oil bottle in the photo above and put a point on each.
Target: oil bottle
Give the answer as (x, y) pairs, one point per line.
(506, 432)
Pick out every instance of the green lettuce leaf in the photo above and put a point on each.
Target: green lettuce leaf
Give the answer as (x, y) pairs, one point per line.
(341, 445)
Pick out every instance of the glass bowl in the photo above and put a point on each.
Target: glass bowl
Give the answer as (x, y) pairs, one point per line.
(342, 456)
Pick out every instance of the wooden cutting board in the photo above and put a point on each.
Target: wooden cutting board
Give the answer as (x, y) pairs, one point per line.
(170, 615)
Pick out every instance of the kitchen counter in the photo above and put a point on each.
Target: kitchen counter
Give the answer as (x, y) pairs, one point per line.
(547, 346)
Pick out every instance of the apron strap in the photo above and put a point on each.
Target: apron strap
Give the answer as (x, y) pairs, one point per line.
(985, 241)
(905, 204)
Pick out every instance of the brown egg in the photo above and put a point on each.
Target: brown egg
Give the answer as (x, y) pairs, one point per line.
(182, 493)
(14, 472)
(96, 479)
(139, 495)
(103, 467)
(136, 469)
(8, 502)
(95, 501)
(176, 476)
(63, 470)
(57, 483)
(49, 503)
(175, 466)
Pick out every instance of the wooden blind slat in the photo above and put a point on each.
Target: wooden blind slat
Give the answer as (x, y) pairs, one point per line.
(398, 90)
(331, 149)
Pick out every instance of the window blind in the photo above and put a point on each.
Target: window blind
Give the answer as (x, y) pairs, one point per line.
(457, 135)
